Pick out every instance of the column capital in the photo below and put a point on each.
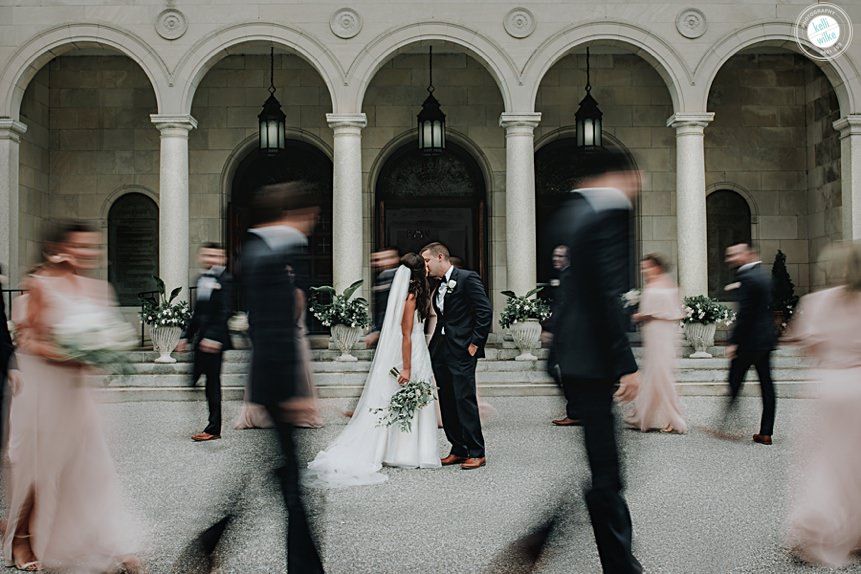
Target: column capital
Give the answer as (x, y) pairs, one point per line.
(519, 121)
(848, 125)
(352, 121)
(11, 129)
(690, 122)
(173, 121)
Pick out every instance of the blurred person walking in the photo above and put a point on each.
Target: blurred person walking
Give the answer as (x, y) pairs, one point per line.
(753, 337)
(273, 265)
(562, 265)
(591, 342)
(8, 366)
(825, 517)
(657, 405)
(385, 262)
(207, 331)
(66, 510)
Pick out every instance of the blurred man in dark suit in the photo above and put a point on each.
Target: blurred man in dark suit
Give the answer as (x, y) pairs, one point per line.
(753, 337)
(590, 339)
(8, 365)
(274, 263)
(562, 266)
(207, 331)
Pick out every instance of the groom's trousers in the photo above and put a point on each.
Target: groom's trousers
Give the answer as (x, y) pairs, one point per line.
(458, 403)
(608, 510)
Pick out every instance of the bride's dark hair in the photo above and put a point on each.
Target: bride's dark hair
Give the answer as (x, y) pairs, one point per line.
(418, 283)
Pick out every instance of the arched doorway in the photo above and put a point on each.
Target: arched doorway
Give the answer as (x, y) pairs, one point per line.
(440, 198)
(132, 246)
(728, 222)
(556, 168)
(300, 161)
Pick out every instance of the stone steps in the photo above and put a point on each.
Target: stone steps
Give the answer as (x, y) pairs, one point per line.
(497, 375)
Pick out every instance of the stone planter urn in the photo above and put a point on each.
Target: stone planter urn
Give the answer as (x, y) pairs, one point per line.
(345, 339)
(527, 337)
(164, 340)
(701, 336)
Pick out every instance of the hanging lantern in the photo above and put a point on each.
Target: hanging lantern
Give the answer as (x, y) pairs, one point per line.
(272, 118)
(431, 120)
(588, 117)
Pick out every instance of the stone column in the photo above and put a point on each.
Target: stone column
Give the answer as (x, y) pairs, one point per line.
(173, 238)
(10, 139)
(520, 243)
(347, 236)
(850, 174)
(691, 201)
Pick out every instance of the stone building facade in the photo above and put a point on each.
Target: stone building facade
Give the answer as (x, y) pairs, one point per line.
(143, 119)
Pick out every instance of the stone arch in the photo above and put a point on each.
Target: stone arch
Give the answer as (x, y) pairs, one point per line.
(841, 72)
(736, 227)
(48, 44)
(116, 194)
(662, 56)
(214, 47)
(459, 138)
(498, 63)
(133, 243)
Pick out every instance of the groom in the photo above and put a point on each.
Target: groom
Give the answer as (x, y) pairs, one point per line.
(463, 323)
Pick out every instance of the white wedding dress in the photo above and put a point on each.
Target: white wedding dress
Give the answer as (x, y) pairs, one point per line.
(357, 455)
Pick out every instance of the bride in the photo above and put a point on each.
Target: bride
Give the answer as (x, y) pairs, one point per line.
(356, 455)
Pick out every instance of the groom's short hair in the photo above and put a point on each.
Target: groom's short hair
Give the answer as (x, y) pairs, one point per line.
(436, 248)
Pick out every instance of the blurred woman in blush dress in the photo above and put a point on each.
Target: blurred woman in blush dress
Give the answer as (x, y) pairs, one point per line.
(66, 508)
(825, 521)
(657, 406)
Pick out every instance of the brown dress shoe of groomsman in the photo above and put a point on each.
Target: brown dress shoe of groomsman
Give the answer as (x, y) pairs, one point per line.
(762, 438)
(200, 437)
(473, 463)
(566, 422)
(452, 459)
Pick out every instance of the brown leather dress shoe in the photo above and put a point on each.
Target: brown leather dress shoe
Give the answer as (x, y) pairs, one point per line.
(762, 438)
(474, 462)
(200, 437)
(452, 459)
(566, 422)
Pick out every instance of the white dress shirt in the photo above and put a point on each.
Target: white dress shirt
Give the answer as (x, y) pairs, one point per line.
(443, 289)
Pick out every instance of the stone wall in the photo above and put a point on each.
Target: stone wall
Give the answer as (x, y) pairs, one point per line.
(758, 144)
(824, 199)
(636, 105)
(34, 171)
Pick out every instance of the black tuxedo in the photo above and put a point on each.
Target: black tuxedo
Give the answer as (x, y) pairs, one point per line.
(593, 352)
(209, 321)
(464, 320)
(556, 305)
(755, 337)
(273, 264)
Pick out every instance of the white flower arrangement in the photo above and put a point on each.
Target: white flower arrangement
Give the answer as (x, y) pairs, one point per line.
(404, 404)
(702, 309)
(450, 285)
(631, 298)
(519, 309)
(340, 309)
(99, 338)
(164, 312)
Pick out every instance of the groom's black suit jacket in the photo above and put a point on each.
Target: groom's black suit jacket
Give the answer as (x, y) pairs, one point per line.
(590, 338)
(466, 316)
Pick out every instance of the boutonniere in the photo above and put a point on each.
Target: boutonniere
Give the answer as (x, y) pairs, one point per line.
(216, 286)
(450, 286)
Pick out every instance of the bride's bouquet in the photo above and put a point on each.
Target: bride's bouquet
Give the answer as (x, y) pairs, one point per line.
(98, 338)
(403, 405)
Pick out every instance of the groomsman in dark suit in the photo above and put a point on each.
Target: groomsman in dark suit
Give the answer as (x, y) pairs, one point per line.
(590, 340)
(562, 265)
(753, 337)
(207, 331)
(463, 324)
(273, 263)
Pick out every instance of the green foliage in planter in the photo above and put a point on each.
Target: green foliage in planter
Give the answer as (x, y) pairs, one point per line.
(519, 309)
(330, 308)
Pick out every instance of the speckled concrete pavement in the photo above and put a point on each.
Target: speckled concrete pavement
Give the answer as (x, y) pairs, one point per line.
(699, 504)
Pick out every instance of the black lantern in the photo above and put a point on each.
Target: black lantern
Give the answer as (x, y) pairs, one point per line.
(431, 119)
(588, 116)
(272, 124)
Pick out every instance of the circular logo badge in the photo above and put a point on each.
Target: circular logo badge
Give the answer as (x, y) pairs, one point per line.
(823, 31)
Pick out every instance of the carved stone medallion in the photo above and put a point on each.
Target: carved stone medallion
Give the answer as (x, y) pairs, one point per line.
(691, 23)
(346, 23)
(171, 24)
(519, 23)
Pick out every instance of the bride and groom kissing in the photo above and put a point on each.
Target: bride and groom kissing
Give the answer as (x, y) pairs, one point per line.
(463, 318)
